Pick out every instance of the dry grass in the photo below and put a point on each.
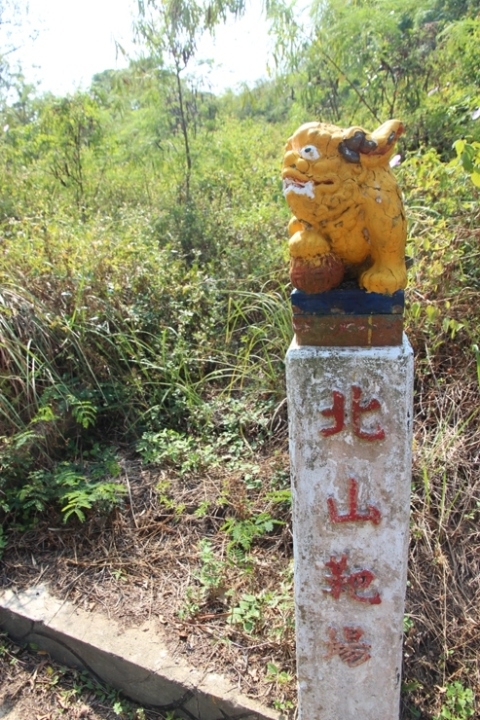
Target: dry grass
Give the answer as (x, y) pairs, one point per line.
(148, 559)
(442, 642)
(144, 562)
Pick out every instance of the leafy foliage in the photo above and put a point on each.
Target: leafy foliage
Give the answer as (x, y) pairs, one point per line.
(143, 284)
(469, 157)
(368, 61)
(458, 704)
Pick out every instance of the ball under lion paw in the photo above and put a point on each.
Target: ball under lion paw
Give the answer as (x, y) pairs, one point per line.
(316, 274)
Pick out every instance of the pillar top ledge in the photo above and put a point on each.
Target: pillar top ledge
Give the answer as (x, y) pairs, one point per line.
(298, 351)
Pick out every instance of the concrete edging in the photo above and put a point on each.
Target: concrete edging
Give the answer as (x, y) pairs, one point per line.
(133, 660)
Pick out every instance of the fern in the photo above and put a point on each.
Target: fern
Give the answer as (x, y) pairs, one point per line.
(77, 502)
(244, 532)
(83, 411)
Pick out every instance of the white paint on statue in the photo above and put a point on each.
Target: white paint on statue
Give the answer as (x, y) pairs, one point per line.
(350, 415)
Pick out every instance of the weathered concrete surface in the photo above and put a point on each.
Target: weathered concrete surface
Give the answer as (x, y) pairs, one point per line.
(8, 711)
(350, 415)
(134, 660)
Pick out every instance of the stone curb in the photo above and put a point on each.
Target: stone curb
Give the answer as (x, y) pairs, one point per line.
(133, 660)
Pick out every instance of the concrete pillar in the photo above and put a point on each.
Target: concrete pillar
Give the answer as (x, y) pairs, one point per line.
(350, 413)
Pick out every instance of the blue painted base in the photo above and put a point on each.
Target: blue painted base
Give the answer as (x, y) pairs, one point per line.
(347, 301)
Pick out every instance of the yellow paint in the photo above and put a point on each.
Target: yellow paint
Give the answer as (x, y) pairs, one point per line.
(369, 331)
(352, 209)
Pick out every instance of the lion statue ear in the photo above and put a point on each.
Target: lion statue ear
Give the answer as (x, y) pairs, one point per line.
(377, 147)
(386, 136)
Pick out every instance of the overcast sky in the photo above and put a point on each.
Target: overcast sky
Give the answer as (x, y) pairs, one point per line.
(76, 39)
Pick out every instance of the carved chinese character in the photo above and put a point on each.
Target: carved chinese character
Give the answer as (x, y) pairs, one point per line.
(371, 514)
(350, 651)
(341, 581)
(358, 410)
(337, 412)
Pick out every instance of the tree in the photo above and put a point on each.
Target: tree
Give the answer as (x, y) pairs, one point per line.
(370, 60)
(171, 30)
(70, 129)
(13, 19)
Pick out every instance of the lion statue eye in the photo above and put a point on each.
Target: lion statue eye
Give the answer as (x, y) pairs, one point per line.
(309, 152)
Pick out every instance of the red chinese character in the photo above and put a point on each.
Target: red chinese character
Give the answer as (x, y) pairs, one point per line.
(358, 409)
(351, 584)
(351, 651)
(337, 412)
(372, 514)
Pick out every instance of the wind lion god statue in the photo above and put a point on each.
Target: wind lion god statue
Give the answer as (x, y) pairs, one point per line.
(349, 220)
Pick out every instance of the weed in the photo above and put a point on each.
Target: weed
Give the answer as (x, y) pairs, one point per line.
(3, 542)
(244, 532)
(279, 678)
(202, 509)
(72, 691)
(280, 497)
(119, 575)
(280, 603)
(280, 479)
(190, 605)
(76, 488)
(408, 623)
(476, 353)
(458, 703)
(178, 449)
(211, 573)
(247, 613)
(165, 499)
(211, 579)
(122, 707)
(277, 675)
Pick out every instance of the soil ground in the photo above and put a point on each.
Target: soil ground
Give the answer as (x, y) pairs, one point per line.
(142, 562)
(165, 554)
(32, 687)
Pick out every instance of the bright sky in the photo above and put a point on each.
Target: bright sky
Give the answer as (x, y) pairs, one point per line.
(76, 39)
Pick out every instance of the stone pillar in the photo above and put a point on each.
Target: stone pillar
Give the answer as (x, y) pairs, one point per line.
(350, 411)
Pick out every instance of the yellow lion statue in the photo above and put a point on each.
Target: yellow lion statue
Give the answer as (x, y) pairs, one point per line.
(348, 219)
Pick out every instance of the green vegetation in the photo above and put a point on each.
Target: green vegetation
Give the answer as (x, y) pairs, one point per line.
(144, 310)
(458, 704)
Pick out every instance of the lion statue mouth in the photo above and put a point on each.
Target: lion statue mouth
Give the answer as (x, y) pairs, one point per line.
(303, 187)
(299, 187)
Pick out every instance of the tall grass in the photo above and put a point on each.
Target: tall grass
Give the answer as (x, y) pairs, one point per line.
(106, 334)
